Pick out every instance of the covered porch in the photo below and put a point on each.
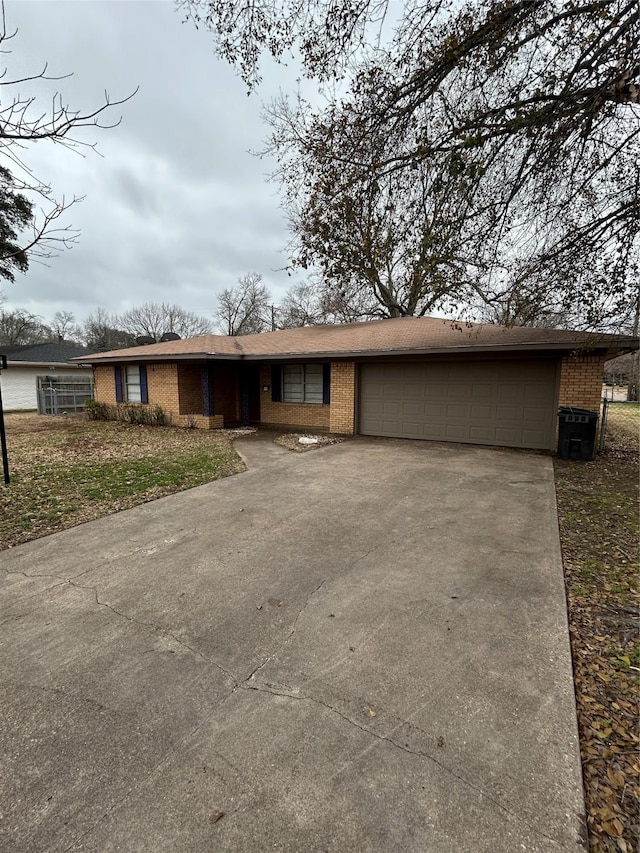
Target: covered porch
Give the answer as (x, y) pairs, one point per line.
(213, 395)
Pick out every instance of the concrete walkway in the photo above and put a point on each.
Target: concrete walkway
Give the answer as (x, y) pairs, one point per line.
(361, 648)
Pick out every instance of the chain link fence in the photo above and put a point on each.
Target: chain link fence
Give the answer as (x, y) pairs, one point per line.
(620, 425)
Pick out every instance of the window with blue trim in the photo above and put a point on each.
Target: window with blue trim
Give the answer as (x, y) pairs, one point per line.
(132, 383)
(302, 383)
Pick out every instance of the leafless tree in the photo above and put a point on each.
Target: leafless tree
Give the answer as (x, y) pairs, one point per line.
(64, 327)
(246, 309)
(154, 319)
(20, 327)
(302, 305)
(100, 332)
(314, 303)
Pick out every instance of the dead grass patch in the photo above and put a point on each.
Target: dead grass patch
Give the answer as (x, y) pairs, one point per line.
(65, 471)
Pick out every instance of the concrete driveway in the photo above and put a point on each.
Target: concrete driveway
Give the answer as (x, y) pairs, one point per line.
(362, 648)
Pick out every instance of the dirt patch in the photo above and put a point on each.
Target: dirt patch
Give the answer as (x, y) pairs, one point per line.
(291, 440)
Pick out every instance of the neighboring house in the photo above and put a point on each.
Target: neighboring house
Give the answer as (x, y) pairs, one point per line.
(413, 377)
(44, 368)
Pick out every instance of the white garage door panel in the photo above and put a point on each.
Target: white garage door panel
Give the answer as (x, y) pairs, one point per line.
(501, 403)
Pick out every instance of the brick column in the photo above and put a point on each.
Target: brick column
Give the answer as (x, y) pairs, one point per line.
(343, 397)
(581, 381)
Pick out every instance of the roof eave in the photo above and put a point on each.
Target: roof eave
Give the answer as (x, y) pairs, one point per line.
(17, 363)
(619, 346)
(413, 351)
(190, 356)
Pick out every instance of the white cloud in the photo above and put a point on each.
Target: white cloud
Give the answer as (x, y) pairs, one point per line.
(176, 208)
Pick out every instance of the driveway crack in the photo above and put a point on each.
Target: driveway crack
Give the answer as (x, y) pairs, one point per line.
(419, 753)
(158, 629)
(50, 577)
(164, 631)
(289, 636)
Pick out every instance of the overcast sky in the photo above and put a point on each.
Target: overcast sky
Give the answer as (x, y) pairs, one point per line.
(176, 208)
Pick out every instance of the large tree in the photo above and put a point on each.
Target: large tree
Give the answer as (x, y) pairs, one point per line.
(155, 319)
(20, 327)
(392, 239)
(100, 332)
(246, 309)
(315, 303)
(31, 217)
(64, 328)
(517, 121)
(16, 214)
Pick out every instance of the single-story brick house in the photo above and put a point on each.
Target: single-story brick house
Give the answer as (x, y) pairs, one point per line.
(412, 377)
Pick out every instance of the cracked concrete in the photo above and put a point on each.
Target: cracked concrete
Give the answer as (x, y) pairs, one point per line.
(363, 648)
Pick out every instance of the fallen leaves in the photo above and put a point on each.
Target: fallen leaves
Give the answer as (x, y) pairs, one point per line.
(616, 778)
(598, 512)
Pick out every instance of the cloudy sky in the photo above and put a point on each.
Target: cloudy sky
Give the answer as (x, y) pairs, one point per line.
(176, 208)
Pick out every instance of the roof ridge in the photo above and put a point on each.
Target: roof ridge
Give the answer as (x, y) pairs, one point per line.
(400, 335)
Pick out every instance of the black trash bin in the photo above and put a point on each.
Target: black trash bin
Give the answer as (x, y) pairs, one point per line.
(577, 429)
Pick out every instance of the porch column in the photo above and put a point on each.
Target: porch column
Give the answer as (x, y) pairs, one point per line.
(207, 388)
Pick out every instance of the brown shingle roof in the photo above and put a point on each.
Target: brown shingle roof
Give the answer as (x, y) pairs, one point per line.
(409, 335)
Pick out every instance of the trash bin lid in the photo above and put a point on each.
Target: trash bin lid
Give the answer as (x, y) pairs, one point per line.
(571, 410)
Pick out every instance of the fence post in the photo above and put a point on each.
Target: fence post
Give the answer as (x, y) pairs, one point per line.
(603, 423)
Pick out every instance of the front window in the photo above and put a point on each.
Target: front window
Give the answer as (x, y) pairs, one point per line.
(132, 374)
(302, 383)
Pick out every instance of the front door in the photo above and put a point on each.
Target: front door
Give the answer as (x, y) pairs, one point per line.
(249, 394)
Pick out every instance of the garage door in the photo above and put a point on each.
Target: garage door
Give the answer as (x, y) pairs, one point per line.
(509, 403)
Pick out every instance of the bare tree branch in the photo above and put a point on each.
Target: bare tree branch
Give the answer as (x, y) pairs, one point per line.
(29, 211)
(246, 308)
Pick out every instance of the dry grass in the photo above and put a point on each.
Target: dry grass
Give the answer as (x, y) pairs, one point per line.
(65, 471)
(598, 512)
(623, 427)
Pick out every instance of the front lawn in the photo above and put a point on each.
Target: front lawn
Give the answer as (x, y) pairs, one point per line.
(623, 426)
(598, 512)
(68, 470)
